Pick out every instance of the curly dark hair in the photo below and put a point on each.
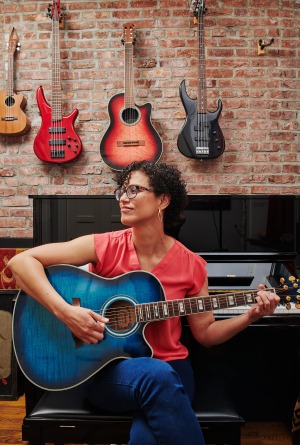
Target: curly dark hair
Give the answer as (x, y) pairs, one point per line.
(165, 180)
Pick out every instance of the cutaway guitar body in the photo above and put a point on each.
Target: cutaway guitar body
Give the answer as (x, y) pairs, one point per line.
(130, 135)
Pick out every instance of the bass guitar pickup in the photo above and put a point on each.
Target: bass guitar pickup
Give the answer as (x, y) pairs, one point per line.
(57, 130)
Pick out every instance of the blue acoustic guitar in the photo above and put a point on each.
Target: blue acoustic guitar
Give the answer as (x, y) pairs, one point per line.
(53, 359)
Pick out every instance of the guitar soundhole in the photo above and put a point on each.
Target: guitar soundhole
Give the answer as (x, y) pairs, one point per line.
(121, 316)
(9, 101)
(130, 116)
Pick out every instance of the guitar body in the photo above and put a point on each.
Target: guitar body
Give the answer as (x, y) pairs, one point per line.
(13, 120)
(46, 351)
(201, 136)
(56, 141)
(130, 135)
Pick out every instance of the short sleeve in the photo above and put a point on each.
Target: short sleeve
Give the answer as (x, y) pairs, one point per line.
(199, 275)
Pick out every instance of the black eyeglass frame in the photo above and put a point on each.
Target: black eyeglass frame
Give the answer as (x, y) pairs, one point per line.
(138, 188)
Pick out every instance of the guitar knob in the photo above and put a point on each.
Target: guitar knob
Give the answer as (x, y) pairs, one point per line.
(69, 138)
(69, 145)
(75, 139)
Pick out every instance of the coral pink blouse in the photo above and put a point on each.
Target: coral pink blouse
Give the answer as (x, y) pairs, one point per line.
(181, 273)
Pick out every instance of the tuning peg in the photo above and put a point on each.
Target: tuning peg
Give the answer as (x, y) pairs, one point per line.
(18, 46)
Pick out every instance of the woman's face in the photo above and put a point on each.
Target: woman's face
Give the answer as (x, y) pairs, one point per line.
(142, 209)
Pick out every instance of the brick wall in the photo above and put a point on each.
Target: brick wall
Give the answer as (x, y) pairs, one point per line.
(260, 94)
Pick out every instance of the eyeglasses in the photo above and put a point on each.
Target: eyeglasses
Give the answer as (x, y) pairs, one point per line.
(131, 191)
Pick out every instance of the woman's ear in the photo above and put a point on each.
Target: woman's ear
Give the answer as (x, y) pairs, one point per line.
(164, 201)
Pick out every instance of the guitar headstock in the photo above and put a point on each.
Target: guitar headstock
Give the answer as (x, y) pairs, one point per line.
(198, 9)
(55, 12)
(13, 42)
(128, 34)
(289, 292)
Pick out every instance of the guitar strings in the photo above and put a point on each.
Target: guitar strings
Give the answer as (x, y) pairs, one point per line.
(201, 112)
(127, 310)
(129, 101)
(10, 93)
(56, 134)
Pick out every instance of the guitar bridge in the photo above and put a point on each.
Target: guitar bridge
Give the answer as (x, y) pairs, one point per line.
(9, 118)
(202, 151)
(130, 143)
(57, 153)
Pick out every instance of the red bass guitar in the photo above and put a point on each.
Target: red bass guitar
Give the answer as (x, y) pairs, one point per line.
(57, 140)
(130, 135)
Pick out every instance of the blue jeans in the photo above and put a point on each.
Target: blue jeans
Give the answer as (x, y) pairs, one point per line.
(158, 393)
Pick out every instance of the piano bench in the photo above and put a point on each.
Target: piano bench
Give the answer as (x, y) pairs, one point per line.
(67, 417)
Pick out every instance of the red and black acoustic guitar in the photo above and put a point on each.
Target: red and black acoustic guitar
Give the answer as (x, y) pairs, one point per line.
(57, 140)
(200, 136)
(130, 135)
(13, 120)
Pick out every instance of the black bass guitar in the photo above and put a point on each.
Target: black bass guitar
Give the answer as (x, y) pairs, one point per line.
(201, 136)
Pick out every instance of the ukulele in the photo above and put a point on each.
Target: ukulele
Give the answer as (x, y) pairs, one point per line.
(130, 135)
(13, 120)
(200, 136)
(57, 140)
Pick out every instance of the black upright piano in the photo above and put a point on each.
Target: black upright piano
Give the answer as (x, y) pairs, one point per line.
(246, 240)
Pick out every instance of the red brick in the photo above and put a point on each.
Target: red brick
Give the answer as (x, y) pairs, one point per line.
(260, 94)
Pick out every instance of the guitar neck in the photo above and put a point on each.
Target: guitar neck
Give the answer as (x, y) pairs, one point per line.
(10, 76)
(56, 77)
(202, 94)
(129, 81)
(163, 310)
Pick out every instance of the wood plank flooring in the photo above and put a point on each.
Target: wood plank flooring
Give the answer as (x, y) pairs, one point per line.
(253, 433)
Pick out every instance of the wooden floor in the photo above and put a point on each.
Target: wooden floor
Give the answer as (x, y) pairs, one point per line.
(260, 433)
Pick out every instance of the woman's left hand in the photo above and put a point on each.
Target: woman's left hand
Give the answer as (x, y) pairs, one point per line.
(266, 304)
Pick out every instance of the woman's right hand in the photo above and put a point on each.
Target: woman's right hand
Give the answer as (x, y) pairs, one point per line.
(86, 325)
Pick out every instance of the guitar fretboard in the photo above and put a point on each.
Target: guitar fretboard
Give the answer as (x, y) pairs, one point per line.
(163, 310)
(56, 77)
(10, 81)
(202, 93)
(128, 90)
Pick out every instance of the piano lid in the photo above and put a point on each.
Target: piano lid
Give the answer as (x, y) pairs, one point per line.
(230, 272)
(246, 270)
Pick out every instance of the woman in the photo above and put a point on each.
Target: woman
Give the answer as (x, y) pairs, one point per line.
(160, 389)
